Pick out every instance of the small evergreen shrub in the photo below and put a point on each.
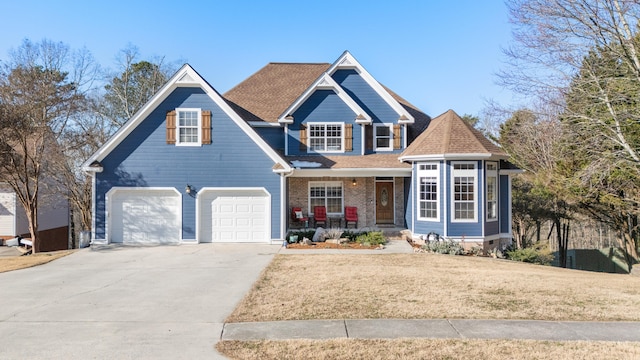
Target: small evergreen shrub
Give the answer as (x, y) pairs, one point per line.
(371, 238)
(535, 255)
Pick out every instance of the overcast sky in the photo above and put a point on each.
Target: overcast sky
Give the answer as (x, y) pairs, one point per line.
(439, 55)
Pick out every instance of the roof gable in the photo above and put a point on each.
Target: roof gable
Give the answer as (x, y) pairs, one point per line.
(347, 61)
(325, 82)
(186, 76)
(448, 136)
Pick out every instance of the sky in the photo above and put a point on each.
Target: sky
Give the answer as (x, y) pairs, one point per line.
(439, 55)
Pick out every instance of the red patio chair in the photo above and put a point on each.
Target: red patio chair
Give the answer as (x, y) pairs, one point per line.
(350, 216)
(298, 218)
(320, 215)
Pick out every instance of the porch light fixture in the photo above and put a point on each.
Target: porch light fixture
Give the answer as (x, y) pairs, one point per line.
(354, 182)
(190, 190)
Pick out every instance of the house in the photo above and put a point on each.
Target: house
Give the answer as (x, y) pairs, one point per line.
(197, 166)
(53, 219)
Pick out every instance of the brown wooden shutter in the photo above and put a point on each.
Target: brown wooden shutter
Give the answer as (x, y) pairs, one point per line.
(171, 127)
(348, 137)
(303, 137)
(396, 136)
(206, 127)
(368, 134)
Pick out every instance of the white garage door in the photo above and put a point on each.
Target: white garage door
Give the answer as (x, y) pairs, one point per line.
(235, 216)
(143, 216)
(7, 213)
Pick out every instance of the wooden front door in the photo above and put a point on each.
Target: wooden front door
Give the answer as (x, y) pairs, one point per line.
(384, 203)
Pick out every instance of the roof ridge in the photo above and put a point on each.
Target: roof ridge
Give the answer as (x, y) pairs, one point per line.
(297, 63)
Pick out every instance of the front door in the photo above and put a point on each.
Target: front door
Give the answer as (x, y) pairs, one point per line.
(384, 203)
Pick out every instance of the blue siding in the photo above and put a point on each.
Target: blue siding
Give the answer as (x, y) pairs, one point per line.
(459, 229)
(323, 106)
(273, 135)
(366, 97)
(143, 159)
(505, 226)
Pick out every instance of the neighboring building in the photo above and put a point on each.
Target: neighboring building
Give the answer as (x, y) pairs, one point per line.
(195, 166)
(53, 219)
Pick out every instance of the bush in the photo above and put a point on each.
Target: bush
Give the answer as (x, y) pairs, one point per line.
(333, 233)
(535, 255)
(444, 247)
(302, 234)
(371, 238)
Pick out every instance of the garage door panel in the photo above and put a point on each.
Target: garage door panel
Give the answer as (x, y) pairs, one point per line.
(145, 216)
(234, 216)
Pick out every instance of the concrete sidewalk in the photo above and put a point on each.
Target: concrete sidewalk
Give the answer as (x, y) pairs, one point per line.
(437, 328)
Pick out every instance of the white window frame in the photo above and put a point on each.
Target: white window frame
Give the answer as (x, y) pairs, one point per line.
(491, 171)
(199, 126)
(375, 137)
(428, 170)
(309, 137)
(466, 173)
(326, 184)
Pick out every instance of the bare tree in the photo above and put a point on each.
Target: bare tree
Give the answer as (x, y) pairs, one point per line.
(38, 97)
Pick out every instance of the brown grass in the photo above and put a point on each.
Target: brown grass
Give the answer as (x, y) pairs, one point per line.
(425, 286)
(346, 349)
(21, 262)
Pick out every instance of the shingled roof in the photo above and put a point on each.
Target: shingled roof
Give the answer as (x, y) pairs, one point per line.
(264, 95)
(448, 134)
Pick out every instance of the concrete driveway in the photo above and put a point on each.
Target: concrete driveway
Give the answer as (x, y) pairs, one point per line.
(166, 302)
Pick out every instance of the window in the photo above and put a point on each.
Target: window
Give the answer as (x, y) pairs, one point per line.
(492, 191)
(325, 137)
(464, 192)
(188, 126)
(327, 194)
(383, 134)
(428, 204)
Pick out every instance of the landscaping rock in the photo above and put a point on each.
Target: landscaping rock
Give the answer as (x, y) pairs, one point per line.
(319, 235)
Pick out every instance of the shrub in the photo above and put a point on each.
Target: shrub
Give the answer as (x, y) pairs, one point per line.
(351, 235)
(444, 247)
(302, 234)
(333, 233)
(535, 255)
(371, 238)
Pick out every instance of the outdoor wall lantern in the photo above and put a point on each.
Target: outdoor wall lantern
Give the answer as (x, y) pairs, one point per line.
(354, 182)
(190, 190)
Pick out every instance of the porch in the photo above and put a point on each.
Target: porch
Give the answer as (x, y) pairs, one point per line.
(380, 201)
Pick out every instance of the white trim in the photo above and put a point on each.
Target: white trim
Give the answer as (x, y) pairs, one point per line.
(198, 126)
(464, 173)
(496, 191)
(357, 172)
(375, 137)
(473, 156)
(286, 140)
(445, 199)
(185, 77)
(363, 129)
(325, 82)
(325, 124)
(326, 183)
(412, 198)
(284, 210)
(428, 173)
(263, 124)
(232, 190)
(108, 199)
(404, 136)
(347, 61)
(93, 209)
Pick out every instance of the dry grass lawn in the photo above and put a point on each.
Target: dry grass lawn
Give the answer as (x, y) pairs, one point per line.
(425, 286)
(20, 262)
(347, 349)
